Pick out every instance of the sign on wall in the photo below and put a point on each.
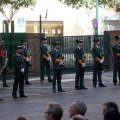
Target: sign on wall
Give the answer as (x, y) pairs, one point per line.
(21, 22)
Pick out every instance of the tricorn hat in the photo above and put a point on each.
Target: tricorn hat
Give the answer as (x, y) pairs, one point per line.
(117, 37)
(18, 47)
(55, 43)
(44, 38)
(78, 40)
(96, 39)
(23, 41)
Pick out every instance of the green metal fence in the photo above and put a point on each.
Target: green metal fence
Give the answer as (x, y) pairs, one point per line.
(68, 44)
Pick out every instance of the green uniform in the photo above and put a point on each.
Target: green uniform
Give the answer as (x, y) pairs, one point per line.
(44, 50)
(97, 52)
(116, 50)
(57, 75)
(26, 53)
(18, 63)
(79, 79)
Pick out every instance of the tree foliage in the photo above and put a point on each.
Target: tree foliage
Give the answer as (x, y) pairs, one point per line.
(9, 8)
(91, 3)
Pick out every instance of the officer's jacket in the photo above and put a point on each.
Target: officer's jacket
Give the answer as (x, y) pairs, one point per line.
(26, 51)
(18, 63)
(78, 53)
(55, 55)
(116, 53)
(43, 52)
(97, 52)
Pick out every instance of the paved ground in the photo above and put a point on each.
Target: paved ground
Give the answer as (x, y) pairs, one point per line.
(41, 93)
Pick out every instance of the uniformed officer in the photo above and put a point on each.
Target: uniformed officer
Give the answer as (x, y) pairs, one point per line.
(3, 60)
(80, 65)
(18, 63)
(116, 52)
(98, 57)
(27, 58)
(45, 60)
(58, 63)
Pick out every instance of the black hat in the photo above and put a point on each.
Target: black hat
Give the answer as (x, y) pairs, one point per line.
(55, 43)
(117, 37)
(23, 41)
(96, 39)
(44, 38)
(18, 47)
(78, 41)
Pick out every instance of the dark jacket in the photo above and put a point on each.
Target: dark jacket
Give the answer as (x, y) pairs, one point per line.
(18, 63)
(116, 49)
(56, 55)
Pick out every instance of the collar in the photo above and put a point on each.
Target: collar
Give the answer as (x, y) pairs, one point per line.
(55, 49)
(24, 46)
(79, 47)
(17, 54)
(97, 46)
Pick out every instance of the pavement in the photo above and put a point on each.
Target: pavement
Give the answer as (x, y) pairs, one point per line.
(40, 93)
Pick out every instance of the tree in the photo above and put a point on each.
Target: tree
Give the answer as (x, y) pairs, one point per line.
(91, 3)
(9, 8)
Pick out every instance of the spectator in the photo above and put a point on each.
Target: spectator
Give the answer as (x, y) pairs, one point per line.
(53, 111)
(78, 117)
(112, 114)
(77, 108)
(22, 118)
(109, 105)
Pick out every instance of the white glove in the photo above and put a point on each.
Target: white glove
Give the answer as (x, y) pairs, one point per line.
(48, 58)
(83, 65)
(27, 59)
(101, 61)
(60, 63)
(22, 70)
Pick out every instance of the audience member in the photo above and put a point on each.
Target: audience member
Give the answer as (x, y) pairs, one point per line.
(78, 117)
(77, 108)
(109, 105)
(21, 118)
(53, 111)
(112, 114)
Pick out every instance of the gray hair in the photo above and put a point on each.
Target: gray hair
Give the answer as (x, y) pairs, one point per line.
(56, 110)
(81, 106)
(78, 117)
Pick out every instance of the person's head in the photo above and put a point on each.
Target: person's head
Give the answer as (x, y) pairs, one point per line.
(77, 107)
(21, 118)
(109, 105)
(117, 39)
(112, 114)
(79, 42)
(44, 40)
(78, 117)
(56, 45)
(53, 111)
(96, 41)
(18, 49)
(24, 42)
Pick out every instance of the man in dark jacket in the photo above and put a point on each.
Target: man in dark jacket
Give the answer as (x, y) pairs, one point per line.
(58, 63)
(45, 60)
(98, 57)
(80, 65)
(27, 58)
(18, 64)
(116, 52)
